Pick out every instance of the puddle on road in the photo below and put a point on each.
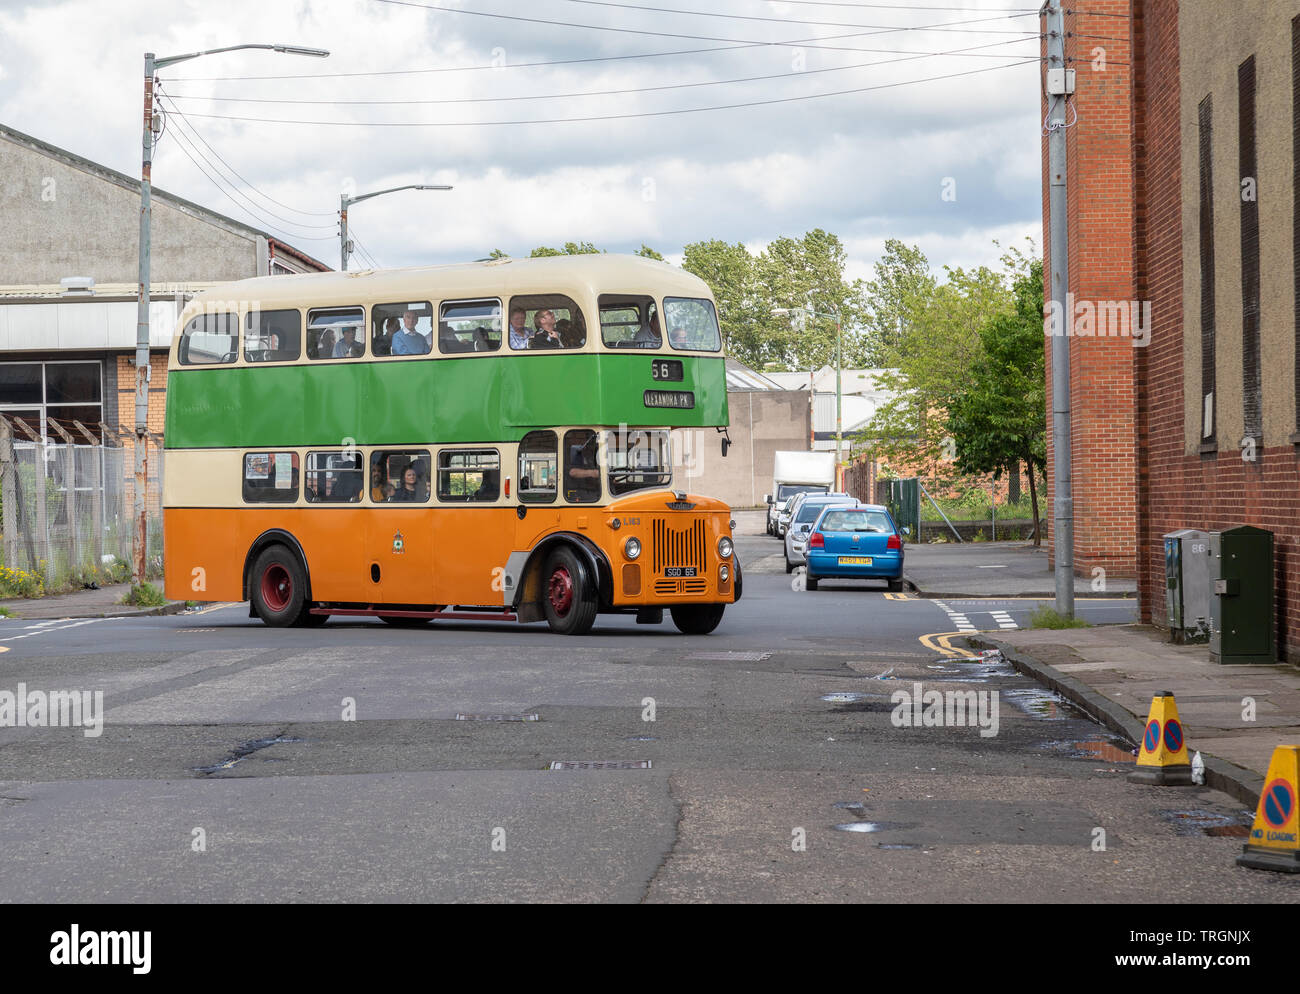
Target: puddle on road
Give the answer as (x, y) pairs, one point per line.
(1042, 704)
(855, 806)
(1198, 821)
(241, 753)
(845, 697)
(875, 826)
(1111, 750)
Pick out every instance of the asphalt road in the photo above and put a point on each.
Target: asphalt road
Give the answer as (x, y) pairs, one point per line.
(242, 763)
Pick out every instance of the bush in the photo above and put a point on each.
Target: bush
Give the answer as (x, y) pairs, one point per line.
(1049, 617)
(144, 595)
(20, 583)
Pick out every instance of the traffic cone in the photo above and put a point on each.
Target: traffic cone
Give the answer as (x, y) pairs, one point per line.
(1273, 837)
(1163, 756)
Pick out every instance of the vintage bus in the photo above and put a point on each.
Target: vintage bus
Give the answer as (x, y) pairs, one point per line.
(489, 440)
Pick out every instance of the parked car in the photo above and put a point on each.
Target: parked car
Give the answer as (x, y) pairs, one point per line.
(853, 543)
(809, 509)
(784, 518)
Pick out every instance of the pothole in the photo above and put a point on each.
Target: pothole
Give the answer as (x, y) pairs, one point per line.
(242, 752)
(1198, 821)
(1111, 750)
(1039, 703)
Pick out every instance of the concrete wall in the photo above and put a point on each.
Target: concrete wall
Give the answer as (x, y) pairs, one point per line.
(65, 219)
(763, 422)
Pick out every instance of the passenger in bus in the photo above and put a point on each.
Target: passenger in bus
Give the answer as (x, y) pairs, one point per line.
(380, 489)
(570, 337)
(344, 347)
(383, 342)
(546, 337)
(649, 337)
(412, 489)
(324, 345)
(489, 488)
(678, 337)
(408, 341)
(518, 333)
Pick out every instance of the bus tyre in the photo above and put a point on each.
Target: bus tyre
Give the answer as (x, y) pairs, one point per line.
(568, 593)
(279, 587)
(698, 619)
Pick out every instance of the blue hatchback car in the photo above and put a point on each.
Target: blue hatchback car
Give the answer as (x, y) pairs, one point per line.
(854, 543)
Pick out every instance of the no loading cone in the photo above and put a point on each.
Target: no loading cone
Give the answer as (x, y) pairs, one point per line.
(1163, 758)
(1273, 837)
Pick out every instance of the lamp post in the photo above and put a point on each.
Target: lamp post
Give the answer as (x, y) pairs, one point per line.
(839, 395)
(345, 202)
(142, 370)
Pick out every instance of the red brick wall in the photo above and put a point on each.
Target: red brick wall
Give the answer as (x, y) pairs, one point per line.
(1101, 217)
(1177, 490)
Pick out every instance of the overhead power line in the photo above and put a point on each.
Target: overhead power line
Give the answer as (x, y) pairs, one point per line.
(615, 117)
(605, 93)
(1019, 12)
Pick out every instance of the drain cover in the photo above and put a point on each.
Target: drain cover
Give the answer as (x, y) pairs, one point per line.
(498, 717)
(742, 657)
(626, 764)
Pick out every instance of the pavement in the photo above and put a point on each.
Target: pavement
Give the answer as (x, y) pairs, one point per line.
(101, 603)
(996, 569)
(1113, 671)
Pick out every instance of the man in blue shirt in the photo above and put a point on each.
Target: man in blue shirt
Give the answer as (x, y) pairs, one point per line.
(408, 341)
(519, 335)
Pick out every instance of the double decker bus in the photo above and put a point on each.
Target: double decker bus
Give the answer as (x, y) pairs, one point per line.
(488, 440)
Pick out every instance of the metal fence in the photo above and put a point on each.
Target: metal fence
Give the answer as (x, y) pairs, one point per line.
(68, 493)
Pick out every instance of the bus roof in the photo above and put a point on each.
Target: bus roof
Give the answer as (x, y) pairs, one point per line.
(603, 273)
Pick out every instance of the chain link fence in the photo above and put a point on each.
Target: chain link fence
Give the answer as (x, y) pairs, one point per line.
(68, 502)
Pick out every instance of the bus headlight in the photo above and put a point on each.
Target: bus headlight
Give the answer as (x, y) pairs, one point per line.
(725, 548)
(632, 547)
(724, 574)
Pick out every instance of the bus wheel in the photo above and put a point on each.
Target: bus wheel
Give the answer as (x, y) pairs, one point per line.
(279, 587)
(568, 594)
(697, 619)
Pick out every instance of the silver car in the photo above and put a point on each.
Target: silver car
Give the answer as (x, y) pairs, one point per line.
(805, 513)
(784, 517)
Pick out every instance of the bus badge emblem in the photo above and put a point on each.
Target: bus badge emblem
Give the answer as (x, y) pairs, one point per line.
(399, 546)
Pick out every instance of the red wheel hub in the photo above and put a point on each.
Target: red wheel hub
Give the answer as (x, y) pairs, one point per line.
(560, 591)
(277, 587)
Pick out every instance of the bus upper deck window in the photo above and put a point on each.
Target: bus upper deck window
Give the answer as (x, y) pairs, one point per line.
(542, 321)
(336, 333)
(629, 321)
(209, 340)
(692, 324)
(273, 336)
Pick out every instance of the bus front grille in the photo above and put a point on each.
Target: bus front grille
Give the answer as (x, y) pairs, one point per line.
(678, 548)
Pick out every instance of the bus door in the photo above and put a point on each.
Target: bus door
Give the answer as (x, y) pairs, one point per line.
(399, 545)
(474, 529)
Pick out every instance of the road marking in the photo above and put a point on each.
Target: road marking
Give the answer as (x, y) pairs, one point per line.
(43, 628)
(215, 607)
(898, 597)
(941, 642)
(1003, 619)
(959, 620)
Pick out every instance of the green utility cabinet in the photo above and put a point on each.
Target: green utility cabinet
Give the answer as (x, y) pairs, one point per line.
(1241, 598)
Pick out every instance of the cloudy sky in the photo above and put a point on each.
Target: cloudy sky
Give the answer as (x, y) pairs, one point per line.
(629, 130)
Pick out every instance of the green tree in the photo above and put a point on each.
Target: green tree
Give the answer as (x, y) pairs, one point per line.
(793, 272)
(729, 272)
(998, 419)
(570, 248)
(903, 278)
(940, 346)
(646, 252)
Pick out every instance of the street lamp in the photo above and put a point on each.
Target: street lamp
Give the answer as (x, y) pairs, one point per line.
(839, 396)
(142, 370)
(345, 202)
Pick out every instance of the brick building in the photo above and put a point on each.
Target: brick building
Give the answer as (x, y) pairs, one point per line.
(1187, 197)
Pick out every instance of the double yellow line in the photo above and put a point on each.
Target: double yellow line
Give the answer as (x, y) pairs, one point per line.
(941, 642)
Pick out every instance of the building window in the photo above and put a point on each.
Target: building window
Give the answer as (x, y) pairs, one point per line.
(63, 392)
(1205, 115)
(1251, 375)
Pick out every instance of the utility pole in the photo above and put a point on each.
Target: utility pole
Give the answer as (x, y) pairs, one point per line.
(1059, 87)
(142, 369)
(345, 247)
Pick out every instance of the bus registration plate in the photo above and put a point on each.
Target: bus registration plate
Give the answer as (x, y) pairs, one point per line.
(679, 571)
